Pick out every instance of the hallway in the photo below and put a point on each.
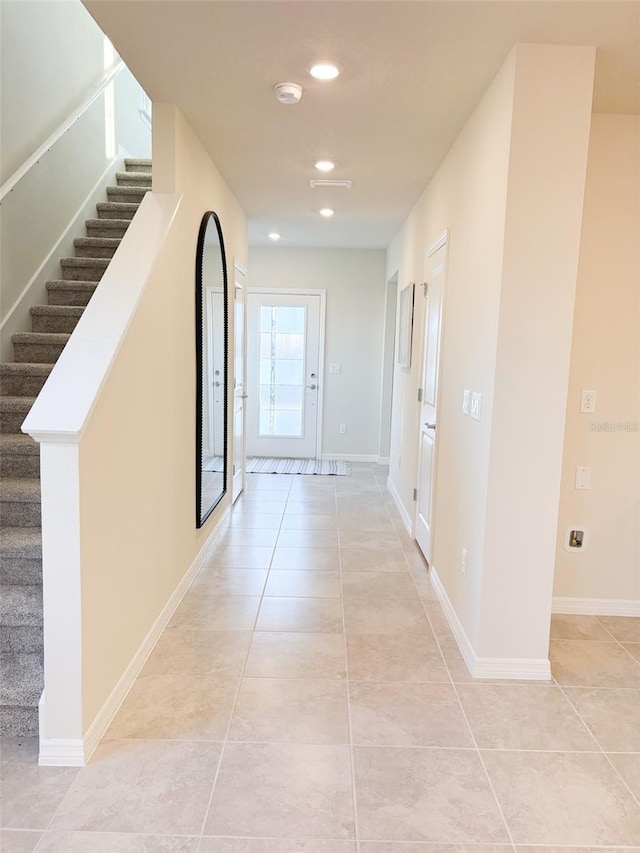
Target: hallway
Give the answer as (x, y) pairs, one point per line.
(308, 697)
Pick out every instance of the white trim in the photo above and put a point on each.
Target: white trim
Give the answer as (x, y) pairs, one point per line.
(438, 243)
(59, 132)
(597, 606)
(441, 242)
(404, 515)
(350, 457)
(81, 213)
(74, 753)
(383, 460)
(526, 669)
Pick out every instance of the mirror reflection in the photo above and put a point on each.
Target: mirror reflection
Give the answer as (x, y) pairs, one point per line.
(211, 367)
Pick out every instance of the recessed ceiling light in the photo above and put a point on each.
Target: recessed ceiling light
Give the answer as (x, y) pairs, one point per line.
(326, 211)
(324, 70)
(274, 236)
(325, 165)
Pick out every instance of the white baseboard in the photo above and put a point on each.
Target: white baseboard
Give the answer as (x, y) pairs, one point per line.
(74, 753)
(350, 457)
(404, 515)
(597, 606)
(527, 669)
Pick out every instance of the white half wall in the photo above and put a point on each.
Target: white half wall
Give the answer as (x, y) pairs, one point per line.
(355, 283)
(123, 392)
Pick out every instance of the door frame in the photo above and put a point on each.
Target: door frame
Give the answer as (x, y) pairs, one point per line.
(239, 476)
(306, 291)
(441, 241)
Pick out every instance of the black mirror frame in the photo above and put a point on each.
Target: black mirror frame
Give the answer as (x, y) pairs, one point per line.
(200, 355)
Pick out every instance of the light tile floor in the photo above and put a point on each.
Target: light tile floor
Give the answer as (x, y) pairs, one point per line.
(308, 697)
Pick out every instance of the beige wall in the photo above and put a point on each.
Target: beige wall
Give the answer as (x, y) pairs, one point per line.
(137, 484)
(510, 190)
(605, 356)
(355, 283)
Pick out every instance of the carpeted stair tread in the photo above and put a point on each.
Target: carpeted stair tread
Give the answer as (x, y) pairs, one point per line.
(55, 318)
(19, 454)
(63, 292)
(21, 680)
(16, 404)
(13, 411)
(116, 210)
(137, 164)
(57, 310)
(84, 269)
(22, 379)
(126, 193)
(109, 228)
(96, 247)
(18, 444)
(20, 542)
(40, 338)
(20, 605)
(132, 179)
(19, 490)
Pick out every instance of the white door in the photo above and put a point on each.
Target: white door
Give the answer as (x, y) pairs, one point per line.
(239, 393)
(284, 337)
(433, 295)
(216, 371)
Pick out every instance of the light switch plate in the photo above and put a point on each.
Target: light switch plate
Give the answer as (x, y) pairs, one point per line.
(583, 478)
(466, 394)
(335, 368)
(476, 406)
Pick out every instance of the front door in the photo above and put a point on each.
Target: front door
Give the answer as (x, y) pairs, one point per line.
(283, 373)
(239, 393)
(433, 295)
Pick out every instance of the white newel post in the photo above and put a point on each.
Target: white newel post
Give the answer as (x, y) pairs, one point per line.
(61, 720)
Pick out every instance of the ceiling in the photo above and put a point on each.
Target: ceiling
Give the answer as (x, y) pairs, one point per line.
(413, 72)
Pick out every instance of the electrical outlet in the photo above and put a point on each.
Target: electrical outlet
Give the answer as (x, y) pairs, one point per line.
(342, 429)
(463, 561)
(587, 402)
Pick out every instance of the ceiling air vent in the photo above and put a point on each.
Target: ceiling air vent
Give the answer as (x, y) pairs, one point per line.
(344, 184)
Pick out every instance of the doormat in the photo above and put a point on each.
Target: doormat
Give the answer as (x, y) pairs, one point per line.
(260, 465)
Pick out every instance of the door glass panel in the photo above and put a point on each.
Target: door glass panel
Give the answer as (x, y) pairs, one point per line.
(282, 345)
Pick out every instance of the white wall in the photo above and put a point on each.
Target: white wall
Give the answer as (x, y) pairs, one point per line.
(605, 356)
(52, 59)
(510, 190)
(122, 398)
(355, 283)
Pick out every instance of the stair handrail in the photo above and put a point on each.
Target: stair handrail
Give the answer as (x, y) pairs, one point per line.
(108, 77)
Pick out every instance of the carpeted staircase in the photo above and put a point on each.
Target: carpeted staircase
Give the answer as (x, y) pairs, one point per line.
(35, 353)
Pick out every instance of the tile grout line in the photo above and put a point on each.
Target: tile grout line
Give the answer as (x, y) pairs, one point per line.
(237, 695)
(354, 799)
(599, 745)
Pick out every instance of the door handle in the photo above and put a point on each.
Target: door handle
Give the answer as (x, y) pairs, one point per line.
(312, 387)
(430, 426)
(244, 396)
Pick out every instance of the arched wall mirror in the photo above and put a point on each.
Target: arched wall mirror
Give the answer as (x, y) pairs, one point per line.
(211, 367)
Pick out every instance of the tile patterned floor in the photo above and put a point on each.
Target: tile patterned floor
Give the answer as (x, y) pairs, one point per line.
(308, 697)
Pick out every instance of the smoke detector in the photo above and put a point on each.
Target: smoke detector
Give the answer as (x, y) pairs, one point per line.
(288, 93)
